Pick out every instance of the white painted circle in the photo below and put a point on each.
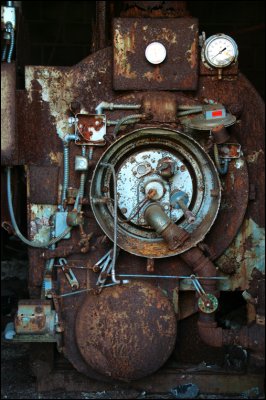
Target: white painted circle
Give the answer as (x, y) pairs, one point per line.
(155, 53)
(155, 185)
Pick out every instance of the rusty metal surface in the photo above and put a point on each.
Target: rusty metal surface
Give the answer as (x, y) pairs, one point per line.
(161, 105)
(33, 317)
(155, 9)
(133, 238)
(9, 143)
(236, 237)
(91, 129)
(234, 202)
(163, 381)
(231, 70)
(132, 332)
(133, 72)
(70, 305)
(46, 177)
(234, 94)
(101, 24)
(36, 129)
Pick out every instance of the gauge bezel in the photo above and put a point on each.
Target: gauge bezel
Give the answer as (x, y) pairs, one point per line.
(207, 44)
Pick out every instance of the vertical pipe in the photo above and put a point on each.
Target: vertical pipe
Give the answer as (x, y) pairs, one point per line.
(101, 24)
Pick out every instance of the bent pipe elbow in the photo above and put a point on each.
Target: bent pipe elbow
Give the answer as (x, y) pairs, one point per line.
(250, 337)
(201, 266)
(159, 220)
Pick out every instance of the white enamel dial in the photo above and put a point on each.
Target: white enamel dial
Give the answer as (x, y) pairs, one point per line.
(155, 53)
(219, 51)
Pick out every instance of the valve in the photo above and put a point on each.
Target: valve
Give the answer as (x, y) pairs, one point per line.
(179, 199)
(207, 302)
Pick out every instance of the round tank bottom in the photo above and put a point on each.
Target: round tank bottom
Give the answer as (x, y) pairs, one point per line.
(127, 332)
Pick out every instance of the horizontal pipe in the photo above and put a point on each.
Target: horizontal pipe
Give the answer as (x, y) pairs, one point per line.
(112, 106)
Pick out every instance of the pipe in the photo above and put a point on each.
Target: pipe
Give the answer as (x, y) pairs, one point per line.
(4, 52)
(82, 179)
(188, 112)
(222, 170)
(111, 106)
(125, 119)
(202, 266)
(101, 24)
(159, 220)
(251, 337)
(14, 223)
(107, 165)
(110, 122)
(66, 173)
(69, 137)
(66, 141)
(184, 107)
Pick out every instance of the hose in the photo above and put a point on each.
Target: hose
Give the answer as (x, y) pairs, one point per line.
(14, 223)
(222, 170)
(82, 179)
(66, 172)
(125, 119)
(12, 43)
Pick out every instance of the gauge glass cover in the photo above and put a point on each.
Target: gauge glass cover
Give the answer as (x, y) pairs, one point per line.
(220, 51)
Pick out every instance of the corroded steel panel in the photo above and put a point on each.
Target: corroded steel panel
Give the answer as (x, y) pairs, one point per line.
(9, 144)
(46, 177)
(179, 71)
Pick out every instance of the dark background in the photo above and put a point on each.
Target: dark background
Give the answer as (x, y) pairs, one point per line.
(61, 32)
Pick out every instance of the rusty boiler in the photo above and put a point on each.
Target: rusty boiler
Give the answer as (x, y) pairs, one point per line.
(145, 200)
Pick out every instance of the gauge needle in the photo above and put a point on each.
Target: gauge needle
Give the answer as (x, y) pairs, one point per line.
(219, 53)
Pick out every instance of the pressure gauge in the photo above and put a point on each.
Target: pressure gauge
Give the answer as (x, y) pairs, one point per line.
(155, 53)
(219, 51)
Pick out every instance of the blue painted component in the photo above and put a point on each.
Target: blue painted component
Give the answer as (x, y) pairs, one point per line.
(61, 224)
(215, 113)
(178, 195)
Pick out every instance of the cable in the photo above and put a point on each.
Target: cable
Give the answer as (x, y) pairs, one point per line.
(14, 223)
(125, 119)
(12, 43)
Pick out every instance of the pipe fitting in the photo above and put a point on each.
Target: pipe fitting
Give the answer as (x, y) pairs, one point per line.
(202, 266)
(172, 234)
(210, 334)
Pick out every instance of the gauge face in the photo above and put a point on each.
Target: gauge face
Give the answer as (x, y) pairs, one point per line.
(220, 51)
(155, 53)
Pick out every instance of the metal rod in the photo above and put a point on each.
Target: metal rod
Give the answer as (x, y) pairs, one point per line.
(111, 167)
(171, 276)
(84, 290)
